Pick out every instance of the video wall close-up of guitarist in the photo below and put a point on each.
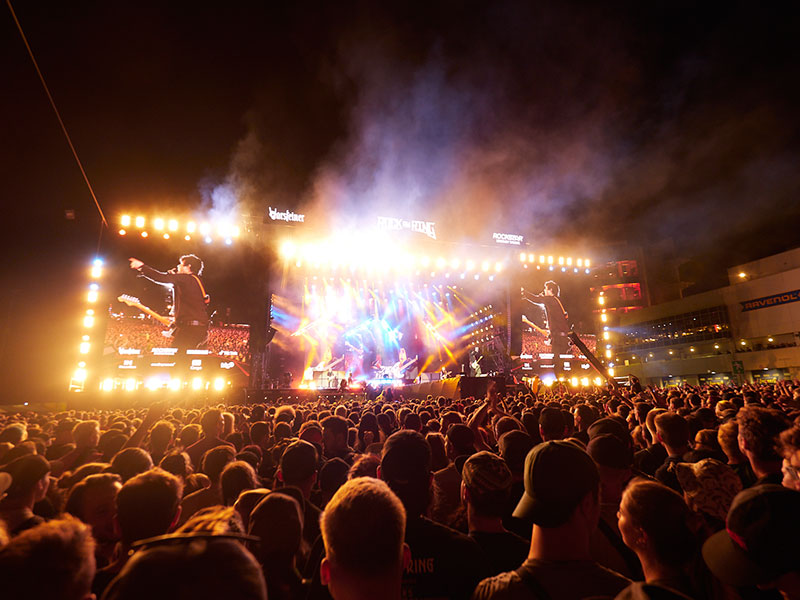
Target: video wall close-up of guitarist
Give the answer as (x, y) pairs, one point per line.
(163, 299)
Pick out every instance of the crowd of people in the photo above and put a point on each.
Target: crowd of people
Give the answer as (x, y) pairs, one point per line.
(548, 493)
(534, 344)
(144, 335)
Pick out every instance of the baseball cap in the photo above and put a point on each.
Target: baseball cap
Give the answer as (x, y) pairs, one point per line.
(558, 475)
(759, 542)
(486, 472)
(710, 484)
(462, 438)
(609, 451)
(25, 472)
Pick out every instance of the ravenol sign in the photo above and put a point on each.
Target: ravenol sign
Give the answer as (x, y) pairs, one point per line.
(767, 301)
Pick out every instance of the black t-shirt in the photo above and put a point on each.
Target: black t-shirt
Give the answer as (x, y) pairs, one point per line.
(190, 304)
(505, 551)
(444, 563)
(649, 459)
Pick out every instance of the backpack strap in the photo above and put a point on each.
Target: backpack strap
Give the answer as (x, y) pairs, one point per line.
(528, 579)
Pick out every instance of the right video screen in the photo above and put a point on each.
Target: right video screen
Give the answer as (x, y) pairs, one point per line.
(546, 307)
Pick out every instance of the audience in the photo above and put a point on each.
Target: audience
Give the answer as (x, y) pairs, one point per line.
(526, 495)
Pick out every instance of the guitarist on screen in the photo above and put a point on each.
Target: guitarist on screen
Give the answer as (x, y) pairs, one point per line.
(190, 328)
(558, 325)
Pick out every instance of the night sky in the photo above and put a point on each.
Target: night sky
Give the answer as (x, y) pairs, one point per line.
(671, 125)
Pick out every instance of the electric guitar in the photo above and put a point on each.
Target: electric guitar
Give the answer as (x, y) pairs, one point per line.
(134, 302)
(535, 327)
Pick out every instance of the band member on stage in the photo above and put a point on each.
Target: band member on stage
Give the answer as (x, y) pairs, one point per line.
(190, 328)
(558, 325)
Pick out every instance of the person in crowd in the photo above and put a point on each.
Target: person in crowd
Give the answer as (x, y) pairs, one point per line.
(277, 520)
(459, 444)
(147, 505)
(334, 439)
(359, 564)
(672, 431)
(759, 543)
(298, 468)
(552, 425)
(655, 523)
(209, 567)
(332, 476)
(93, 501)
(759, 429)
(709, 486)
(237, 477)
(51, 560)
(790, 448)
(213, 425)
(214, 462)
(129, 462)
(562, 498)
(86, 436)
(29, 482)
(614, 461)
(728, 438)
(444, 563)
(485, 490)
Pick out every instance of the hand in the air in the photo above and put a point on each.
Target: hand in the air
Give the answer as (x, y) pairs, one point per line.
(135, 263)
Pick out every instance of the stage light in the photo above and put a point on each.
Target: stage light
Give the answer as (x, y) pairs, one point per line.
(219, 383)
(742, 275)
(608, 353)
(485, 266)
(463, 275)
(601, 300)
(586, 263)
(80, 374)
(236, 231)
(228, 241)
(580, 262)
(88, 321)
(563, 269)
(197, 383)
(569, 261)
(549, 260)
(587, 271)
(139, 222)
(187, 237)
(174, 384)
(604, 317)
(288, 249)
(425, 261)
(191, 227)
(85, 338)
(574, 382)
(130, 384)
(84, 348)
(166, 236)
(125, 221)
(769, 339)
(158, 224)
(107, 385)
(743, 343)
(91, 297)
(477, 277)
(552, 268)
(611, 371)
(671, 353)
(205, 229)
(144, 234)
(208, 240)
(498, 266)
(560, 260)
(598, 381)
(172, 225)
(97, 270)
(122, 232)
(440, 263)
(606, 335)
(152, 384)
(523, 257)
(454, 264)
(470, 265)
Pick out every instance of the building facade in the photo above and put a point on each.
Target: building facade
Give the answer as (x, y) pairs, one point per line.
(748, 330)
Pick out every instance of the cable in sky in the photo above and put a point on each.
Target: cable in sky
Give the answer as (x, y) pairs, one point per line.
(58, 115)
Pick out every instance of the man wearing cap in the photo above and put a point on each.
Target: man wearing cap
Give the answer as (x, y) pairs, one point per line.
(444, 563)
(485, 489)
(562, 489)
(759, 545)
(30, 478)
